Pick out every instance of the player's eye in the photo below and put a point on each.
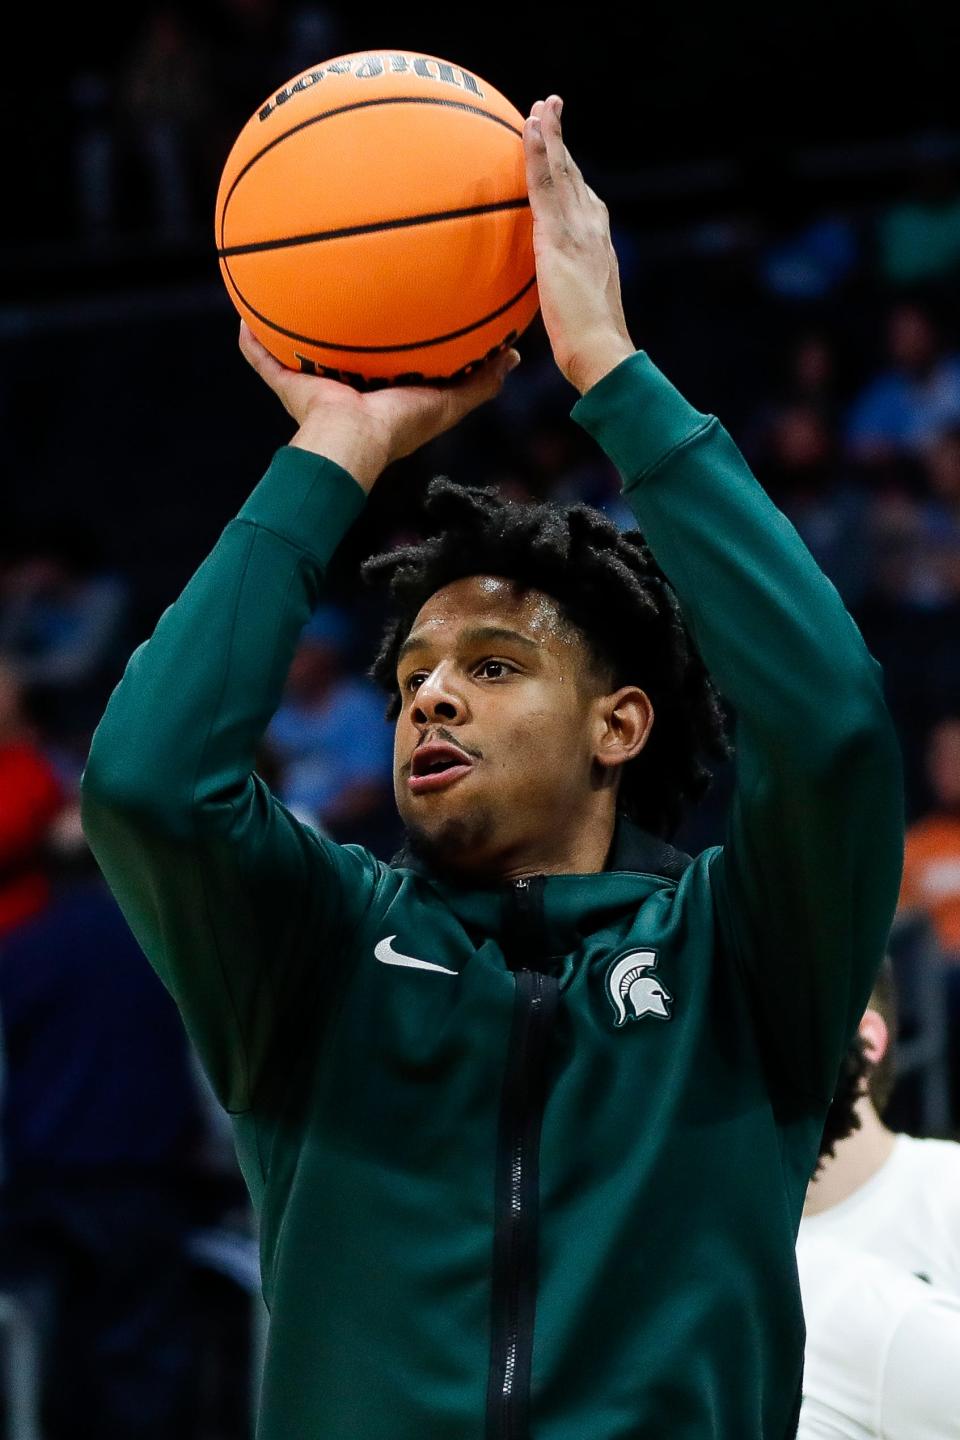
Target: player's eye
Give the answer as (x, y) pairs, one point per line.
(495, 669)
(414, 681)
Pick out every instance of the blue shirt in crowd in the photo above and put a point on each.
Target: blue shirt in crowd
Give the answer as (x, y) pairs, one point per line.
(97, 1073)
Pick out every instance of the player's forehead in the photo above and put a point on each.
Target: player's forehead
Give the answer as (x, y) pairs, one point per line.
(481, 603)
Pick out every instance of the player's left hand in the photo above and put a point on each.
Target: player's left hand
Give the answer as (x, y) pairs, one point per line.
(577, 272)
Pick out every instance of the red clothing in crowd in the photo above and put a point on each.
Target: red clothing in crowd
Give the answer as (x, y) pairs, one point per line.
(31, 795)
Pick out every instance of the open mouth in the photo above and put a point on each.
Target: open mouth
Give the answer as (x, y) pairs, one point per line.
(435, 766)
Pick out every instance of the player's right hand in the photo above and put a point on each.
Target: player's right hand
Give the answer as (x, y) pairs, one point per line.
(365, 431)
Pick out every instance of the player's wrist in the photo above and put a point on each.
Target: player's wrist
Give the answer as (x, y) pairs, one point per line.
(599, 361)
(358, 450)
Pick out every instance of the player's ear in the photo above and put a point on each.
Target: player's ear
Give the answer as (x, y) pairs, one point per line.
(873, 1030)
(623, 725)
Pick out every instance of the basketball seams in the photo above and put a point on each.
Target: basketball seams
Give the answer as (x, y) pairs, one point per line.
(344, 109)
(375, 226)
(376, 349)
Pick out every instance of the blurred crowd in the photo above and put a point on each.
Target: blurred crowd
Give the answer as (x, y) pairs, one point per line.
(146, 119)
(114, 1161)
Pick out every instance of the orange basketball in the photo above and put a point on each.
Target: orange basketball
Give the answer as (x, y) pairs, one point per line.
(373, 222)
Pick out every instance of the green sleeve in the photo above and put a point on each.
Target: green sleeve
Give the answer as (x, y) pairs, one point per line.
(237, 904)
(806, 881)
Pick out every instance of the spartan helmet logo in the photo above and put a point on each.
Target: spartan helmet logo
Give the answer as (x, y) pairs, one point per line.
(629, 984)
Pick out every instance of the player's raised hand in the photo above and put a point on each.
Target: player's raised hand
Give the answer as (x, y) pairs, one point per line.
(577, 272)
(365, 431)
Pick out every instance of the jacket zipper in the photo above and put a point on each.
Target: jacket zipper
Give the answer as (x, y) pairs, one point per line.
(517, 1194)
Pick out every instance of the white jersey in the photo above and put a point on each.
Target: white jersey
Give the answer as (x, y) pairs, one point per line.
(908, 1212)
(883, 1349)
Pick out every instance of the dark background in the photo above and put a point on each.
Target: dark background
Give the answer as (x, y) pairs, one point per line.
(692, 122)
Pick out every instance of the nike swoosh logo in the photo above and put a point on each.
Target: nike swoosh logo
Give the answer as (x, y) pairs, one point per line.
(386, 954)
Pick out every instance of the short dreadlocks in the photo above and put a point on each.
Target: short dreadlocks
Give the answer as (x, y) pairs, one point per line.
(859, 1075)
(608, 586)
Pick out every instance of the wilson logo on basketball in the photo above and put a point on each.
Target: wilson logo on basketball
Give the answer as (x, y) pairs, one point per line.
(409, 377)
(369, 67)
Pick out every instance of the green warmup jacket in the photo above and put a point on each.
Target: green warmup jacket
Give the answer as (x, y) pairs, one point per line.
(528, 1161)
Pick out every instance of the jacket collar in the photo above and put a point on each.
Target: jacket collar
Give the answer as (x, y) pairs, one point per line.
(634, 848)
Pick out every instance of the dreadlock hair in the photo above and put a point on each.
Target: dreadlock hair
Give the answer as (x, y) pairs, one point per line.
(859, 1075)
(608, 586)
(842, 1118)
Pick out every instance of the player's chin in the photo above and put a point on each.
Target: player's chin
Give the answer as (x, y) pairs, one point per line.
(458, 815)
(454, 838)
(438, 812)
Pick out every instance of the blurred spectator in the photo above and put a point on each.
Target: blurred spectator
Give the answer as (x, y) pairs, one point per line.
(918, 239)
(162, 110)
(916, 546)
(93, 152)
(912, 553)
(557, 466)
(931, 872)
(910, 405)
(331, 740)
(812, 262)
(940, 515)
(943, 468)
(892, 1194)
(878, 1254)
(810, 379)
(100, 1118)
(813, 375)
(63, 621)
(818, 495)
(31, 797)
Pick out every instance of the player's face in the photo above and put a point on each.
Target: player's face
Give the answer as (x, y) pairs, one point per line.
(493, 758)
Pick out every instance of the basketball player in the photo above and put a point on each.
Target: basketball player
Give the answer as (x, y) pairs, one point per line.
(890, 1194)
(879, 1260)
(527, 1116)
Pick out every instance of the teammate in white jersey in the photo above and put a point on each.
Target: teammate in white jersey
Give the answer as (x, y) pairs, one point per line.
(876, 1191)
(879, 1260)
(883, 1349)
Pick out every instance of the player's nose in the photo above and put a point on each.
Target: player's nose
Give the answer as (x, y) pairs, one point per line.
(438, 699)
